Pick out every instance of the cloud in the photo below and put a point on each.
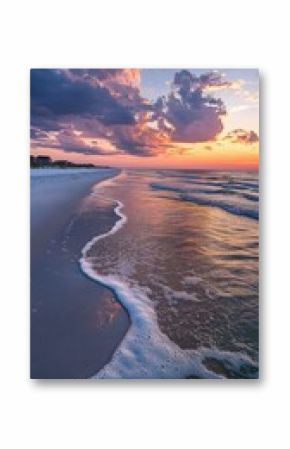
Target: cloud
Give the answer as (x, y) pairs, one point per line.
(140, 140)
(242, 136)
(55, 94)
(215, 80)
(71, 142)
(187, 112)
(68, 141)
(94, 103)
(209, 81)
(101, 111)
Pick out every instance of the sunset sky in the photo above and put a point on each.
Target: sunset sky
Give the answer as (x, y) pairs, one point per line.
(175, 118)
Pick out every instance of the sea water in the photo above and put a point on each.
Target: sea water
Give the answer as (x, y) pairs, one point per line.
(182, 258)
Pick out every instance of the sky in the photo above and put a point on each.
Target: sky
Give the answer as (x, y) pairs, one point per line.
(165, 118)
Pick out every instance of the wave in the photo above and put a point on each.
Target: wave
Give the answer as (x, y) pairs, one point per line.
(217, 182)
(145, 352)
(236, 209)
(231, 208)
(210, 190)
(251, 196)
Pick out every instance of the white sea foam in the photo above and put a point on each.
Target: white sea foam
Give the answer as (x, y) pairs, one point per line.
(145, 352)
(191, 280)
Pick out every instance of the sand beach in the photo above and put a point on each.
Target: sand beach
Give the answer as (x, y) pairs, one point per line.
(76, 324)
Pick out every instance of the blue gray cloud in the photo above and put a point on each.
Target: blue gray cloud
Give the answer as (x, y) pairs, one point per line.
(75, 109)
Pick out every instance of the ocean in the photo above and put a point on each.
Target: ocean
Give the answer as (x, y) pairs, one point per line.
(183, 259)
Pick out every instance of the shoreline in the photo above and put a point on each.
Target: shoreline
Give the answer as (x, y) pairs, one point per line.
(76, 323)
(133, 346)
(145, 352)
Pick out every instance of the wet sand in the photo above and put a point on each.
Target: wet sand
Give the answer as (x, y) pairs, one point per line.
(76, 324)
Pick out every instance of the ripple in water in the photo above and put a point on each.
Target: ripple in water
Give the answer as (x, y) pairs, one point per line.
(193, 263)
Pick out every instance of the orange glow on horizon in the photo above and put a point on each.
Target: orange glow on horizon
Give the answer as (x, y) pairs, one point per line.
(214, 155)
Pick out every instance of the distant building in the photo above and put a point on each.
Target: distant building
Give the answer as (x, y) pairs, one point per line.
(46, 161)
(40, 161)
(43, 160)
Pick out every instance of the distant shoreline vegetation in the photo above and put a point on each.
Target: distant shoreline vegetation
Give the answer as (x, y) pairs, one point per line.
(47, 162)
